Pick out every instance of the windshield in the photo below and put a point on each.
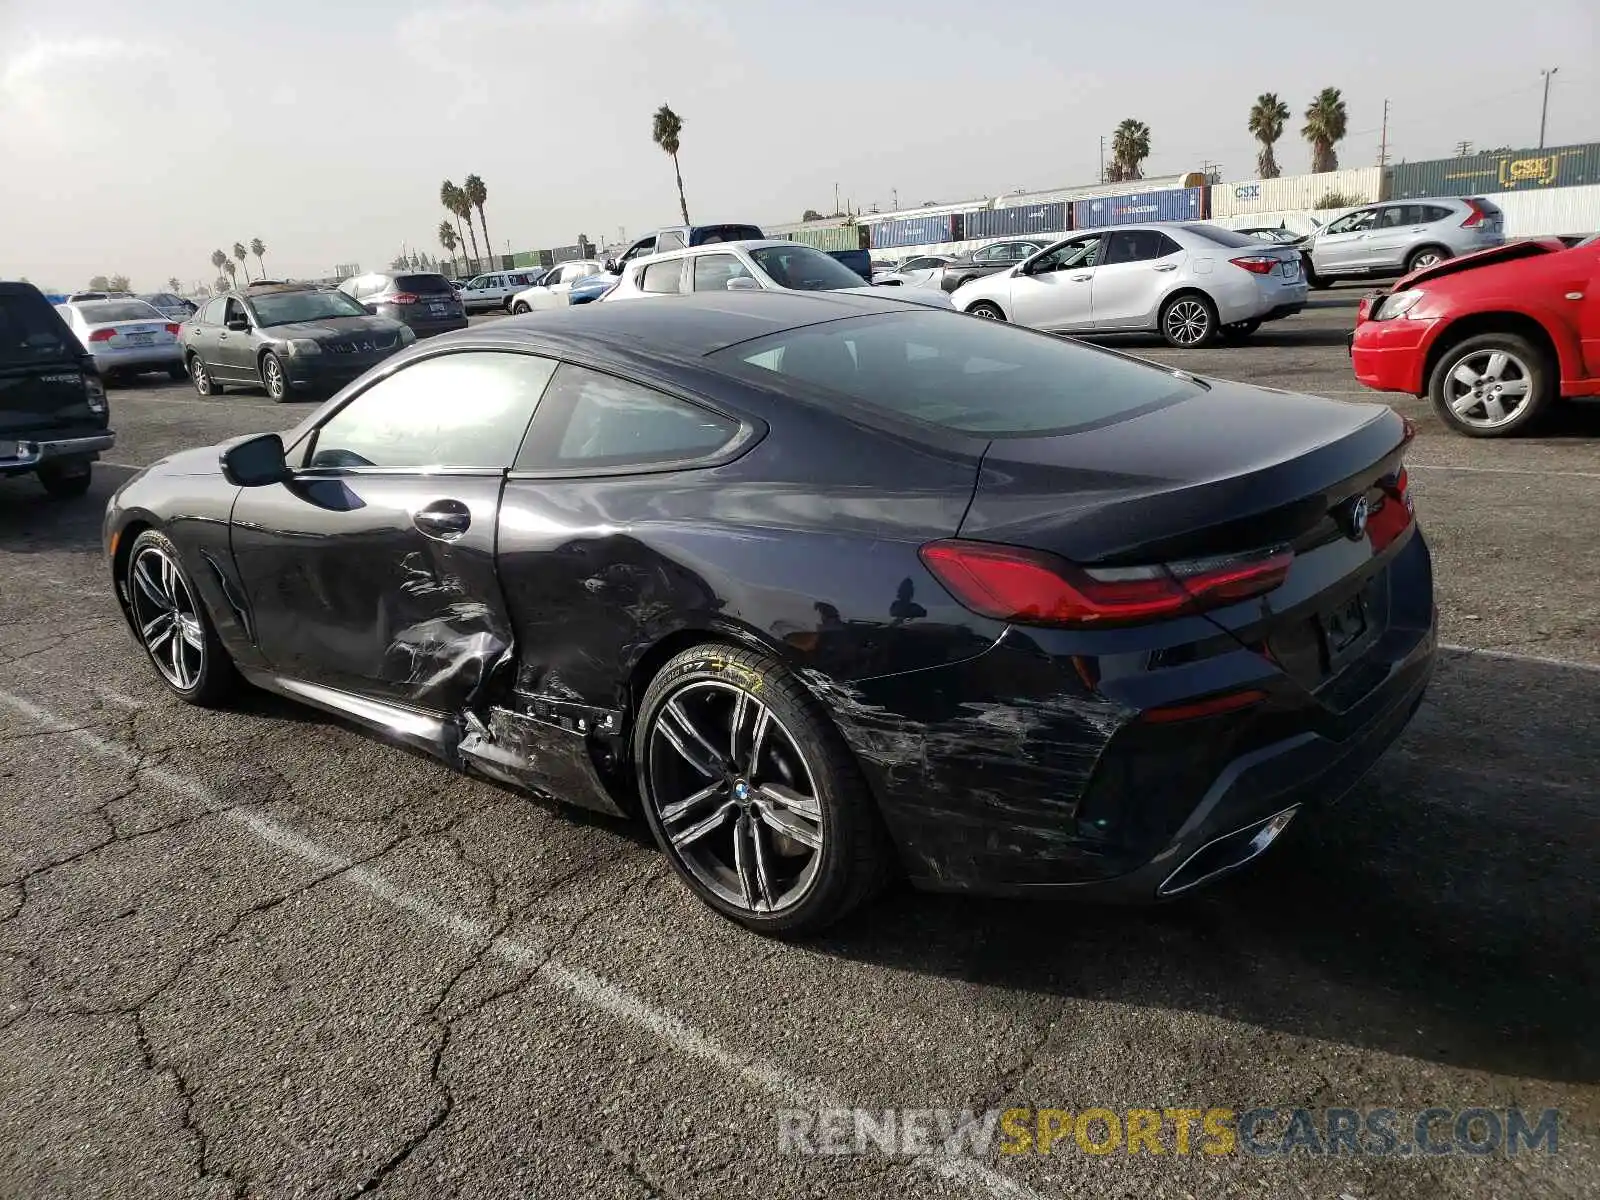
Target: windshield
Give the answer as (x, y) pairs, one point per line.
(804, 269)
(981, 377)
(102, 312)
(288, 307)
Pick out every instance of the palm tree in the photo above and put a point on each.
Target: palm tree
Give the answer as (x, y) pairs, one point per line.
(456, 203)
(239, 253)
(476, 194)
(173, 285)
(1130, 146)
(219, 261)
(447, 239)
(1267, 117)
(232, 268)
(666, 128)
(1325, 125)
(219, 284)
(258, 248)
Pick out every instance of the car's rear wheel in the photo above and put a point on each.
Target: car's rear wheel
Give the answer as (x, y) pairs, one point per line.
(1312, 278)
(273, 378)
(65, 480)
(1425, 256)
(200, 374)
(519, 308)
(989, 312)
(172, 624)
(1188, 320)
(752, 794)
(1492, 385)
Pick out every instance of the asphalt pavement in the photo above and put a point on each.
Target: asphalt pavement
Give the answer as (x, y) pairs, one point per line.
(258, 953)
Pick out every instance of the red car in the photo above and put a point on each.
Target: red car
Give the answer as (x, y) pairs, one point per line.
(1493, 338)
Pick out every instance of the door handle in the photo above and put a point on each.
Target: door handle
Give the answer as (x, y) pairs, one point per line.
(1081, 278)
(443, 519)
(1165, 267)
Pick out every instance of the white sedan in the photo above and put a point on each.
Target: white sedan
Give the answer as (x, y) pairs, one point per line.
(925, 270)
(765, 265)
(1192, 283)
(551, 291)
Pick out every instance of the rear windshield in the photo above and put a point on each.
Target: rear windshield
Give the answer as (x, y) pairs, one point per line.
(426, 285)
(705, 235)
(1221, 236)
(964, 374)
(289, 307)
(804, 269)
(1489, 208)
(102, 312)
(31, 331)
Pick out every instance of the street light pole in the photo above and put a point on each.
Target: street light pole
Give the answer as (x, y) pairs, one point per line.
(1544, 109)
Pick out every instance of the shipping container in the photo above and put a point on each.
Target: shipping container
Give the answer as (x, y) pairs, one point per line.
(831, 238)
(1556, 210)
(915, 231)
(1358, 185)
(1014, 222)
(1175, 204)
(1509, 171)
(563, 254)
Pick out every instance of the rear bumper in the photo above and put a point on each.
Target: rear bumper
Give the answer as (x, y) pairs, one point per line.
(31, 453)
(425, 329)
(1266, 302)
(139, 358)
(1388, 355)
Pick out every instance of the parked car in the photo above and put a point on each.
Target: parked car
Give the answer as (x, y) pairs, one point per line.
(286, 339)
(171, 305)
(54, 420)
(986, 260)
(1401, 236)
(778, 577)
(1494, 339)
(765, 265)
(554, 285)
(679, 237)
(1191, 283)
(125, 337)
(922, 271)
(424, 300)
(495, 289)
(591, 288)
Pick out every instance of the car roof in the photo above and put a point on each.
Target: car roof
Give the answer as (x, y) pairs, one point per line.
(692, 325)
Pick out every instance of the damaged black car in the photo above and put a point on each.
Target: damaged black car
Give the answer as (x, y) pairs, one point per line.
(824, 589)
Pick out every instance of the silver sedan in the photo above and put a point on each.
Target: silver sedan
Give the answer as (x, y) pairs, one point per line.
(126, 337)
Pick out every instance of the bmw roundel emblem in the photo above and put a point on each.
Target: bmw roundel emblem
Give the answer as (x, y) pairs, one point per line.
(1355, 519)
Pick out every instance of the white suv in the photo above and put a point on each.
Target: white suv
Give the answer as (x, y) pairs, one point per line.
(496, 289)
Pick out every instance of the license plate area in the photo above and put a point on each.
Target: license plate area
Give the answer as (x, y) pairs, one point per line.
(1344, 630)
(139, 339)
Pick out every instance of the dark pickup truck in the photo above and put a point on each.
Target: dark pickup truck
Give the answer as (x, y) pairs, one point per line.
(54, 420)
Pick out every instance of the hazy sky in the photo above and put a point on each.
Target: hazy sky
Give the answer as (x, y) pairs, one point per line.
(138, 137)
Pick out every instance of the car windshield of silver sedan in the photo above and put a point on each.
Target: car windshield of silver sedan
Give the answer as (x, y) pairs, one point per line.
(291, 307)
(973, 376)
(804, 269)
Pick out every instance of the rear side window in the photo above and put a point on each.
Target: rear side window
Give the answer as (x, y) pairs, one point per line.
(424, 285)
(1219, 236)
(663, 278)
(212, 313)
(962, 374)
(32, 331)
(1137, 245)
(1435, 212)
(589, 421)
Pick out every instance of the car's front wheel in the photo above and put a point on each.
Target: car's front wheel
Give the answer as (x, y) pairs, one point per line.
(1188, 320)
(273, 378)
(65, 480)
(171, 623)
(986, 310)
(753, 795)
(1492, 385)
(519, 308)
(1312, 278)
(204, 384)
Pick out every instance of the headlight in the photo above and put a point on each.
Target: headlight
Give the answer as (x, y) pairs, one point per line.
(1396, 305)
(407, 335)
(300, 347)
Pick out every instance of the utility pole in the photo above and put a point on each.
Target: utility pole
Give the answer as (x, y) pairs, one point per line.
(1383, 138)
(895, 194)
(836, 198)
(1544, 109)
(1463, 148)
(1102, 158)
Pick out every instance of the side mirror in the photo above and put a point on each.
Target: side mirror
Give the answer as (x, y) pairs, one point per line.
(255, 462)
(372, 309)
(743, 283)
(239, 325)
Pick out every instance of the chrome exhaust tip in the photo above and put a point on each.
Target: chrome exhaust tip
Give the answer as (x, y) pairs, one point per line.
(1226, 853)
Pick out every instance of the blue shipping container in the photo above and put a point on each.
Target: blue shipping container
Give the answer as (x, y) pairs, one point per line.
(1175, 204)
(915, 231)
(1015, 222)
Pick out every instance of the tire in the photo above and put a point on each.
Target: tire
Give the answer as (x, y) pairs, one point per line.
(710, 707)
(1189, 320)
(1425, 256)
(273, 378)
(65, 481)
(986, 310)
(519, 308)
(200, 376)
(1320, 282)
(1469, 406)
(185, 649)
(1238, 332)
(507, 307)
(177, 372)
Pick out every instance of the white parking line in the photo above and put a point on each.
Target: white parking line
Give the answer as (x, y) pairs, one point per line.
(1511, 656)
(1411, 466)
(218, 405)
(580, 985)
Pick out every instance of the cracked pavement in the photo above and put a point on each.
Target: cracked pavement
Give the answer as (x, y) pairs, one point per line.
(256, 953)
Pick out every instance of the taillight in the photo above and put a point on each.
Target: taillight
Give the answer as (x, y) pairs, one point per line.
(102, 335)
(174, 328)
(1256, 264)
(1476, 216)
(402, 298)
(1031, 587)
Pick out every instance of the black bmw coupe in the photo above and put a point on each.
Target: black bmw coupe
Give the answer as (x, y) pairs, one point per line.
(824, 587)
